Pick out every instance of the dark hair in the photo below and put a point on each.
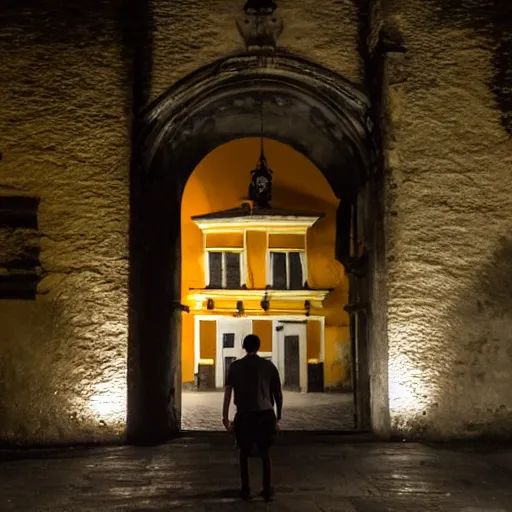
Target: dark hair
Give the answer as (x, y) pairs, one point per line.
(251, 343)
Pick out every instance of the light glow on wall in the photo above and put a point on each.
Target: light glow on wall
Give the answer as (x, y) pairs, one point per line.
(412, 389)
(108, 403)
(199, 300)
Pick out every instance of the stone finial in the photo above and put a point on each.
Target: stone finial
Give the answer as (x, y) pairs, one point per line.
(260, 28)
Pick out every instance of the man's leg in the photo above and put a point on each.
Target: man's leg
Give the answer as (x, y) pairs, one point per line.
(243, 455)
(243, 459)
(266, 463)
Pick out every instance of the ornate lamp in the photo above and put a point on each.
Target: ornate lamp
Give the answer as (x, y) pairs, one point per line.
(240, 311)
(260, 188)
(265, 303)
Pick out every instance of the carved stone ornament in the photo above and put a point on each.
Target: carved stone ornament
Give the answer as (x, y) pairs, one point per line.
(260, 28)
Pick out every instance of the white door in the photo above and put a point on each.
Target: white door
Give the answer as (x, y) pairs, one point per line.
(230, 335)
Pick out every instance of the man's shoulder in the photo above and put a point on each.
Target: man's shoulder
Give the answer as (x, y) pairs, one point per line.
(236, 364)
(268, 364)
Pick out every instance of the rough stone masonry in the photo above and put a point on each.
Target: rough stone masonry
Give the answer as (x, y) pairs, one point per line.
(438, 74)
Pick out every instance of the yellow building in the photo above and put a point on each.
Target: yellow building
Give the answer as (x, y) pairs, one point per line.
(260, 265)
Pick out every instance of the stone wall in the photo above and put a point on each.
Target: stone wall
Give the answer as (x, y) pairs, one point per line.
(449, 217)
(321, 30)
(64, 138)
(443, 292)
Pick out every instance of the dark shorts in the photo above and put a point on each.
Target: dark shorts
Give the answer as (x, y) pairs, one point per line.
(255, 429)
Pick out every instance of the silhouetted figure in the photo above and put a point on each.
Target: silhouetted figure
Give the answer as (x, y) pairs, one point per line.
(257, 388)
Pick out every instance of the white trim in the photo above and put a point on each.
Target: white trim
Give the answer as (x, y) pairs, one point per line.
(270, 269)
(241, 261)
(304, 265)
(219, 359)
(276, 222)
(275, 344)
(206, 263)
(224, 249)
(287, 270)
(223, 269)
(244, 262)
(280, 318)
(280, 350)
(294, 295)
(197, 342)
(322, 341)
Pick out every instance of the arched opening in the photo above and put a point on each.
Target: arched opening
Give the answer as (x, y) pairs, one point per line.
(316, 112)
(289, 287)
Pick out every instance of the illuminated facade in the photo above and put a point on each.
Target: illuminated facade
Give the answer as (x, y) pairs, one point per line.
(263, 269)
(273, 301)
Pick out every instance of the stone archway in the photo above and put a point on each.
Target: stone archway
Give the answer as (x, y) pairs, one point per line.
(315, 111)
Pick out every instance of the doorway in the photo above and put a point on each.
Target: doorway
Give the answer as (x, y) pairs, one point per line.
(291, 363)
(327, 119)
(309, 347)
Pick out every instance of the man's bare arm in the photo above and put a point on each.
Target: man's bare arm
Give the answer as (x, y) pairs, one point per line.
(278, 394)
(225, 406)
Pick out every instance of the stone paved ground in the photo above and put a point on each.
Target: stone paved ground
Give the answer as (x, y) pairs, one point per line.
(301, 411)
(312, 474)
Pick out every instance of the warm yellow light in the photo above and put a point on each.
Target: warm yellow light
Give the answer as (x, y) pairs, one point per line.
(313, 361)
(108, 402)
(207, 362)
(412, 387)
(199, 300)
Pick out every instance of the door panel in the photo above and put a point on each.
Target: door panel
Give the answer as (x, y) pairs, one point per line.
(227, 364)
(291, 363)
(230, 334)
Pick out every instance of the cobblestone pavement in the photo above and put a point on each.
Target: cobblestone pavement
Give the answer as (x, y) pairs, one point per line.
(301, 411)
(199, 473)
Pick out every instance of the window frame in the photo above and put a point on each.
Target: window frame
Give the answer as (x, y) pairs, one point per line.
(223, 250)
(270, 266)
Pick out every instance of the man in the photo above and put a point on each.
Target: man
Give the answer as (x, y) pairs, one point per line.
(257, 388)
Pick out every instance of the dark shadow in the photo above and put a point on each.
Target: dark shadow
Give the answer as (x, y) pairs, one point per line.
(19, 248)
(481, 352)
(492, 21)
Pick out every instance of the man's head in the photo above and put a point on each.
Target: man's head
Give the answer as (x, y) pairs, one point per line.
(251, 344)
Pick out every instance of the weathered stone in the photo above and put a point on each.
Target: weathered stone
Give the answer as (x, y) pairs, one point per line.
(309, 474)
(449, 212)
(74, 81)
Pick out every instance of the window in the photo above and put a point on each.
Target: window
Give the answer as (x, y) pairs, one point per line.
(228, 340)
(287, 270)
(224, 270)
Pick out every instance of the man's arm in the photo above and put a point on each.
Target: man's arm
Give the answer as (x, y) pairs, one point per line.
(277, 393)
(227, 398)
(225, 406)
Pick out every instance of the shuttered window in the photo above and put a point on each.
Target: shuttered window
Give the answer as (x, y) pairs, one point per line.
(279, 270)
(224, 270)
(232, 270)
(287, 270)
(295, 278)
(215, 264)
